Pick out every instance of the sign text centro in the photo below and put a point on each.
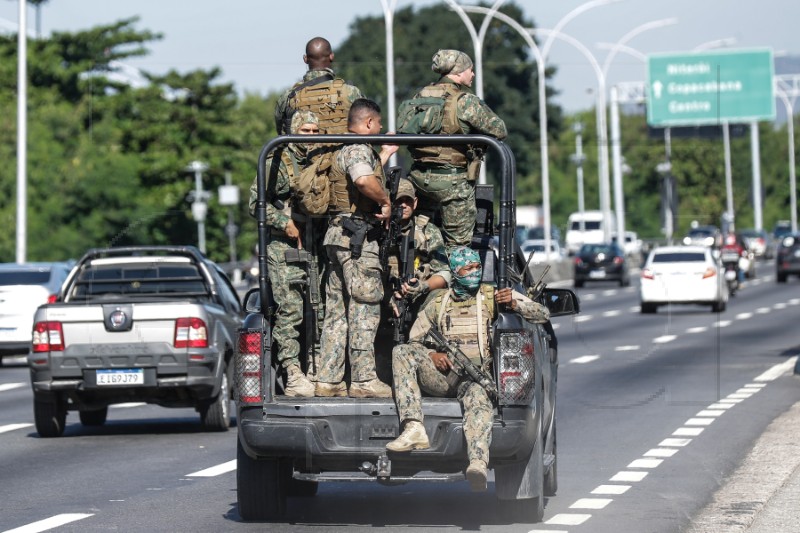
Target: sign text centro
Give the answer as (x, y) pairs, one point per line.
(710, 87)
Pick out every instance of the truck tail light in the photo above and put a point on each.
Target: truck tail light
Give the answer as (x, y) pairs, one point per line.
(516, 368)
(191, 333)
(48, 337)
(248, 366)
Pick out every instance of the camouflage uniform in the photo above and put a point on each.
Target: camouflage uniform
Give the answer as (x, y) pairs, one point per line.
(447, 186)
(414, 369)
(283, 109)
(354, 288)
(286, 279)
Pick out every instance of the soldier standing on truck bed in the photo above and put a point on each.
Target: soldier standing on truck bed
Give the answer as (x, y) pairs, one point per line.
(445, 176)
(354, 289)
(281, 166)
(464, 315)
(320, 91)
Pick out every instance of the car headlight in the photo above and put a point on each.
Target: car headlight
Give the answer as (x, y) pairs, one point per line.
(788, 241)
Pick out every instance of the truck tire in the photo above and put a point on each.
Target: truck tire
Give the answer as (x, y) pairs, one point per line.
(49, 414)
(95, 417)
(217, 415)
(527, 476)
(551, 477)
(261, 486)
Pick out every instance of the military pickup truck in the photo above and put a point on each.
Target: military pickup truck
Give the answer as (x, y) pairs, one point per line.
(286, 445)
(153, 324)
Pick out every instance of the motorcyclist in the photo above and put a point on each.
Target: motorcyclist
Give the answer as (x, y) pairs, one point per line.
(734, 243)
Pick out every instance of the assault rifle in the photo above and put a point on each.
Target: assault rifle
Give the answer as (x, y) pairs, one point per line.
(312, 309)
(536, 291)
(394, 234)
(402, 322)
(463, 363)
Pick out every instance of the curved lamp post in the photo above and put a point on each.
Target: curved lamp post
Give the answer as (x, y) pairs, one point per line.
(388, 17)
(541, 56)
(789, 105)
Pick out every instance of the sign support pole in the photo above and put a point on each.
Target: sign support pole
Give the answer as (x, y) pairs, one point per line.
(756, 157)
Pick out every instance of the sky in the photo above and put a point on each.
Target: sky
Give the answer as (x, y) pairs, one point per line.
(259, 44)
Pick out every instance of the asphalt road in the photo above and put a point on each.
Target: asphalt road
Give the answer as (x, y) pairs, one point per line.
(654, 412)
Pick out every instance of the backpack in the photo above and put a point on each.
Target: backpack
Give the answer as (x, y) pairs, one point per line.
(311, 188)
(427, 112)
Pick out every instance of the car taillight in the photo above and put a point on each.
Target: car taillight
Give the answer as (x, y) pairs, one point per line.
(516, 368)
(618, 260)
(48, 337)
(648, 274)
(52, 298)
(248, 367)
(190, 332)
(710, 272)
(578, 261)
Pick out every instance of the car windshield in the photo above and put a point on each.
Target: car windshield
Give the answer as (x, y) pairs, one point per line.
(597, 249)
(24, 278)
(679, 257)
(588, 225)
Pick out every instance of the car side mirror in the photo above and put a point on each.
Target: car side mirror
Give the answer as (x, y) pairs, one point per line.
(561, 302)
(252, 300)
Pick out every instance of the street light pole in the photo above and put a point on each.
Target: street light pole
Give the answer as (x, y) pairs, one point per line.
(789, 105)
(388, 17)
(199, 206)
(22, 134)
(578, 158)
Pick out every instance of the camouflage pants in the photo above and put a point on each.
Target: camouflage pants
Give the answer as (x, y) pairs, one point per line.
(457, 204)
(288, 295)
(352, 312)
(414, 372)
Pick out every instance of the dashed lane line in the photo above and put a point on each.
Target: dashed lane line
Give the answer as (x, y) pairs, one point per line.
(13, 427)
(653, 458)
(218, 470)
(664, 339)
(582, 360)
(49, 523)
(10, 386)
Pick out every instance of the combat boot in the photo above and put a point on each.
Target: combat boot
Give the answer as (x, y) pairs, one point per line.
(373, 388)
(412, 438)
(330, 389)
(476, 475)
(297, 384)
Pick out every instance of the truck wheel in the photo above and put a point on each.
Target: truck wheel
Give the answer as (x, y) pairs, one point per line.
(49, 414)
(95, 417)
(261, 487)
(510, 480)
(217, 416)
(551, 477)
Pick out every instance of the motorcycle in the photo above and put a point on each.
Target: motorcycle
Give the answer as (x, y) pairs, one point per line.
(730, 263)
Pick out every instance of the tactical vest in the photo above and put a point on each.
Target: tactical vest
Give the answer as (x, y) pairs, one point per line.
(467, 324)
(345, 196)
(442, 155)
(326, 99)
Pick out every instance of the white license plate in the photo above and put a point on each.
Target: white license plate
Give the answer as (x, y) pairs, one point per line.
(595, 274)
(121, 376)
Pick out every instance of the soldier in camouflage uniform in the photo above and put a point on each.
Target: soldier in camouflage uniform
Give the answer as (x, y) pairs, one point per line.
(287, 278)
(464, 315)
(445, 176)
(330, 96)
(354, 288)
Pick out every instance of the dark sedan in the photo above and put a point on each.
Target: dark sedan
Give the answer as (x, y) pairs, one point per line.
(787, 258)
(601, 262)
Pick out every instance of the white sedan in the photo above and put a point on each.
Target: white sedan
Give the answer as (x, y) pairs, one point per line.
(536, 246)
(682, 275)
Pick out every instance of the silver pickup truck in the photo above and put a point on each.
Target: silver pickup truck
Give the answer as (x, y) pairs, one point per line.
(153, 324)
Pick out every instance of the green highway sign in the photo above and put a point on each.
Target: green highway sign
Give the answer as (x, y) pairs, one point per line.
(710, 87)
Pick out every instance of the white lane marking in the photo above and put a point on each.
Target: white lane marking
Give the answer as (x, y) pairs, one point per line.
(613, 312)
(779, 306)
(49, 523)
(731, 400)
(778, 370)
(661, 452)
(591, 503)
(631, 348)
(721, 324)
(756, 385)
(548, 531)
(628, 476)
(13, 427)
(680, 443)
(744, 316)
(584, 359)
(224, 468)
(645, 463)
(609, 292)
(698, 422)
(127, 405)
(794, 301)
(687, 432)
(740, 395)
(611, 489)
(747, 390)
(699, 329)
(664, 339)
(564, 519)
(588, 297)
(583, 318)
(10, 386)
(763, 310)
(708, 412)
(635, 309)
(720, 406)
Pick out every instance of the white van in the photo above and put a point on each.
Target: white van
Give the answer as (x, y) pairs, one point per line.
(587, 228)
